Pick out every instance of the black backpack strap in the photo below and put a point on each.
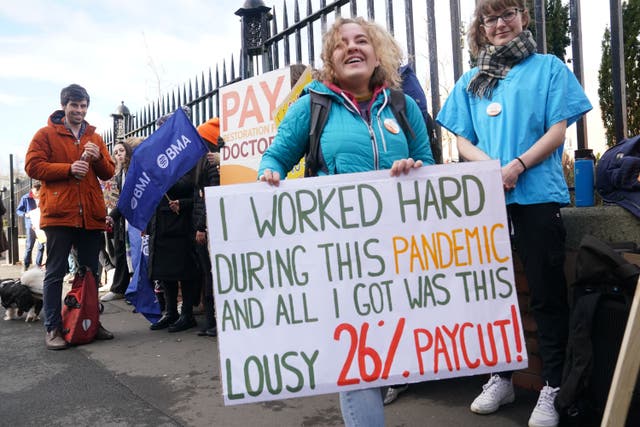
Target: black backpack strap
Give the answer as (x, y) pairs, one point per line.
(436, 148)
(579, 357)
(399, 109)
(320, 106)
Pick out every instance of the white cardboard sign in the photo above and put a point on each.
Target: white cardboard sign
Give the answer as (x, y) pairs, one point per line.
(354, 281)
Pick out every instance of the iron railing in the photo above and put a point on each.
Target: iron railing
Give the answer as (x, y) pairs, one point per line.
(297, 40)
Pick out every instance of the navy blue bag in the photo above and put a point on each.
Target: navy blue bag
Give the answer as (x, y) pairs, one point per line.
(618, 175)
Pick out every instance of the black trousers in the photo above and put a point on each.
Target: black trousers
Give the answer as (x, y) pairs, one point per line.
(539, 240)
(59, 243)
(204, 261)
(187, 288)
(121, 276)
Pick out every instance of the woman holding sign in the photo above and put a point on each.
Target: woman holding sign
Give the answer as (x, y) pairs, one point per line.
(360, 63)
(515, 106)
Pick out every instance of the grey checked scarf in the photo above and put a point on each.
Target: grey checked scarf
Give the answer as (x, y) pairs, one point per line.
(495, 62)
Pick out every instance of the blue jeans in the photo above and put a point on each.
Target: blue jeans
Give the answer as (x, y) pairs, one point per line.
(59, 242)
(362, 408)
(28, 248)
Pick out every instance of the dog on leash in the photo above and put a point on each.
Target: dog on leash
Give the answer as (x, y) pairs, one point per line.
(23, 295)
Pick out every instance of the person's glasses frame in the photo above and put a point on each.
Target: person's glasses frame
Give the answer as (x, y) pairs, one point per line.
(507, 16)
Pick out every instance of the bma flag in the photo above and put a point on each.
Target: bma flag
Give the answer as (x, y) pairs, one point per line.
(157, 164)
(140, 292)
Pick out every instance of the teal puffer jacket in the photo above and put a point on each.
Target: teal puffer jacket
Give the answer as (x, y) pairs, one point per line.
(348, 143)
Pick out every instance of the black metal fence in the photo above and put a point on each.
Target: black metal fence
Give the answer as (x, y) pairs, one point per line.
(271, 38)
(200, 94)
(13, 225)
(20, 188)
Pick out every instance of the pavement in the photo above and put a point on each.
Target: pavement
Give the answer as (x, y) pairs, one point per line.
(157, 378)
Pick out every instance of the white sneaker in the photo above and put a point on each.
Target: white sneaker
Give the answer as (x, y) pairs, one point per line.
(495, 393)
(393, 393)
(545, 414)
(110, 296)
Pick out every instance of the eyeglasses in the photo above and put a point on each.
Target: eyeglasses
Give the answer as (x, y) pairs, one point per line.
(508, 16)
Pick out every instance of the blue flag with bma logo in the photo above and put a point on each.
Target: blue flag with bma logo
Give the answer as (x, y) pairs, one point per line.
(140, 292)
(157, 164)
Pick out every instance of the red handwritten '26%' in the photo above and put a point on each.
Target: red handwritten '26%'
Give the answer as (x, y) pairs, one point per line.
(365, 352)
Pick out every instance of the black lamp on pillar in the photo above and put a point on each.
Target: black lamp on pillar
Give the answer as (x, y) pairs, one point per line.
(255, 19)
(121, 119)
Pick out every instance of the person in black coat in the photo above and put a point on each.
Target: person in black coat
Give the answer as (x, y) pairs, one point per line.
(207, 175)
(172, 253)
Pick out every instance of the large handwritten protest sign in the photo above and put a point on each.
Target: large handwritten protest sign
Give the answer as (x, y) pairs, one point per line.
(352, 281)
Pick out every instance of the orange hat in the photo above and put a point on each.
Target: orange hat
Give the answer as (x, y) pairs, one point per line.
(210, 130)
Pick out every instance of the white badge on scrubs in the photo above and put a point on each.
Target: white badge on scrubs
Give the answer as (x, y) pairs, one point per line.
(494, 109)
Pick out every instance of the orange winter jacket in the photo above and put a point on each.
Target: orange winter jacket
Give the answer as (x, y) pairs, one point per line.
(65, 200)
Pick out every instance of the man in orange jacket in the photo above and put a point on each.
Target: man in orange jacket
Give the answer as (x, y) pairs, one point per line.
(68, 157)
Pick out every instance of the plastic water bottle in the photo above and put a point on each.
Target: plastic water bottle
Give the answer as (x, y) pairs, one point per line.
(584, 173)
(85, 158)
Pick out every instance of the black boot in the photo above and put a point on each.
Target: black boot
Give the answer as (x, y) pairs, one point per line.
(184, 322)
(170, 290)
(209, 329)
(212, 332)
(164, 322)
(186, 319)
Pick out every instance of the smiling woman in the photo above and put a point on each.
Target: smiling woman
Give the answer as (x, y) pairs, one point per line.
(360, 64)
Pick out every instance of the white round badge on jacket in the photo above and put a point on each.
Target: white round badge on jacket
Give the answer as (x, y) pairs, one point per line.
(392, 126)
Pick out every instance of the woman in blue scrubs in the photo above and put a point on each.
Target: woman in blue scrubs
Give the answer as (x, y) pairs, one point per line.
(515, 106)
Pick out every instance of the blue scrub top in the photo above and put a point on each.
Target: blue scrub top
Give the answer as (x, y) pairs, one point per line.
(537, 93)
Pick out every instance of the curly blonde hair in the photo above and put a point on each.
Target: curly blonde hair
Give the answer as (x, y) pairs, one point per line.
(476, 36)
(386, 48)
